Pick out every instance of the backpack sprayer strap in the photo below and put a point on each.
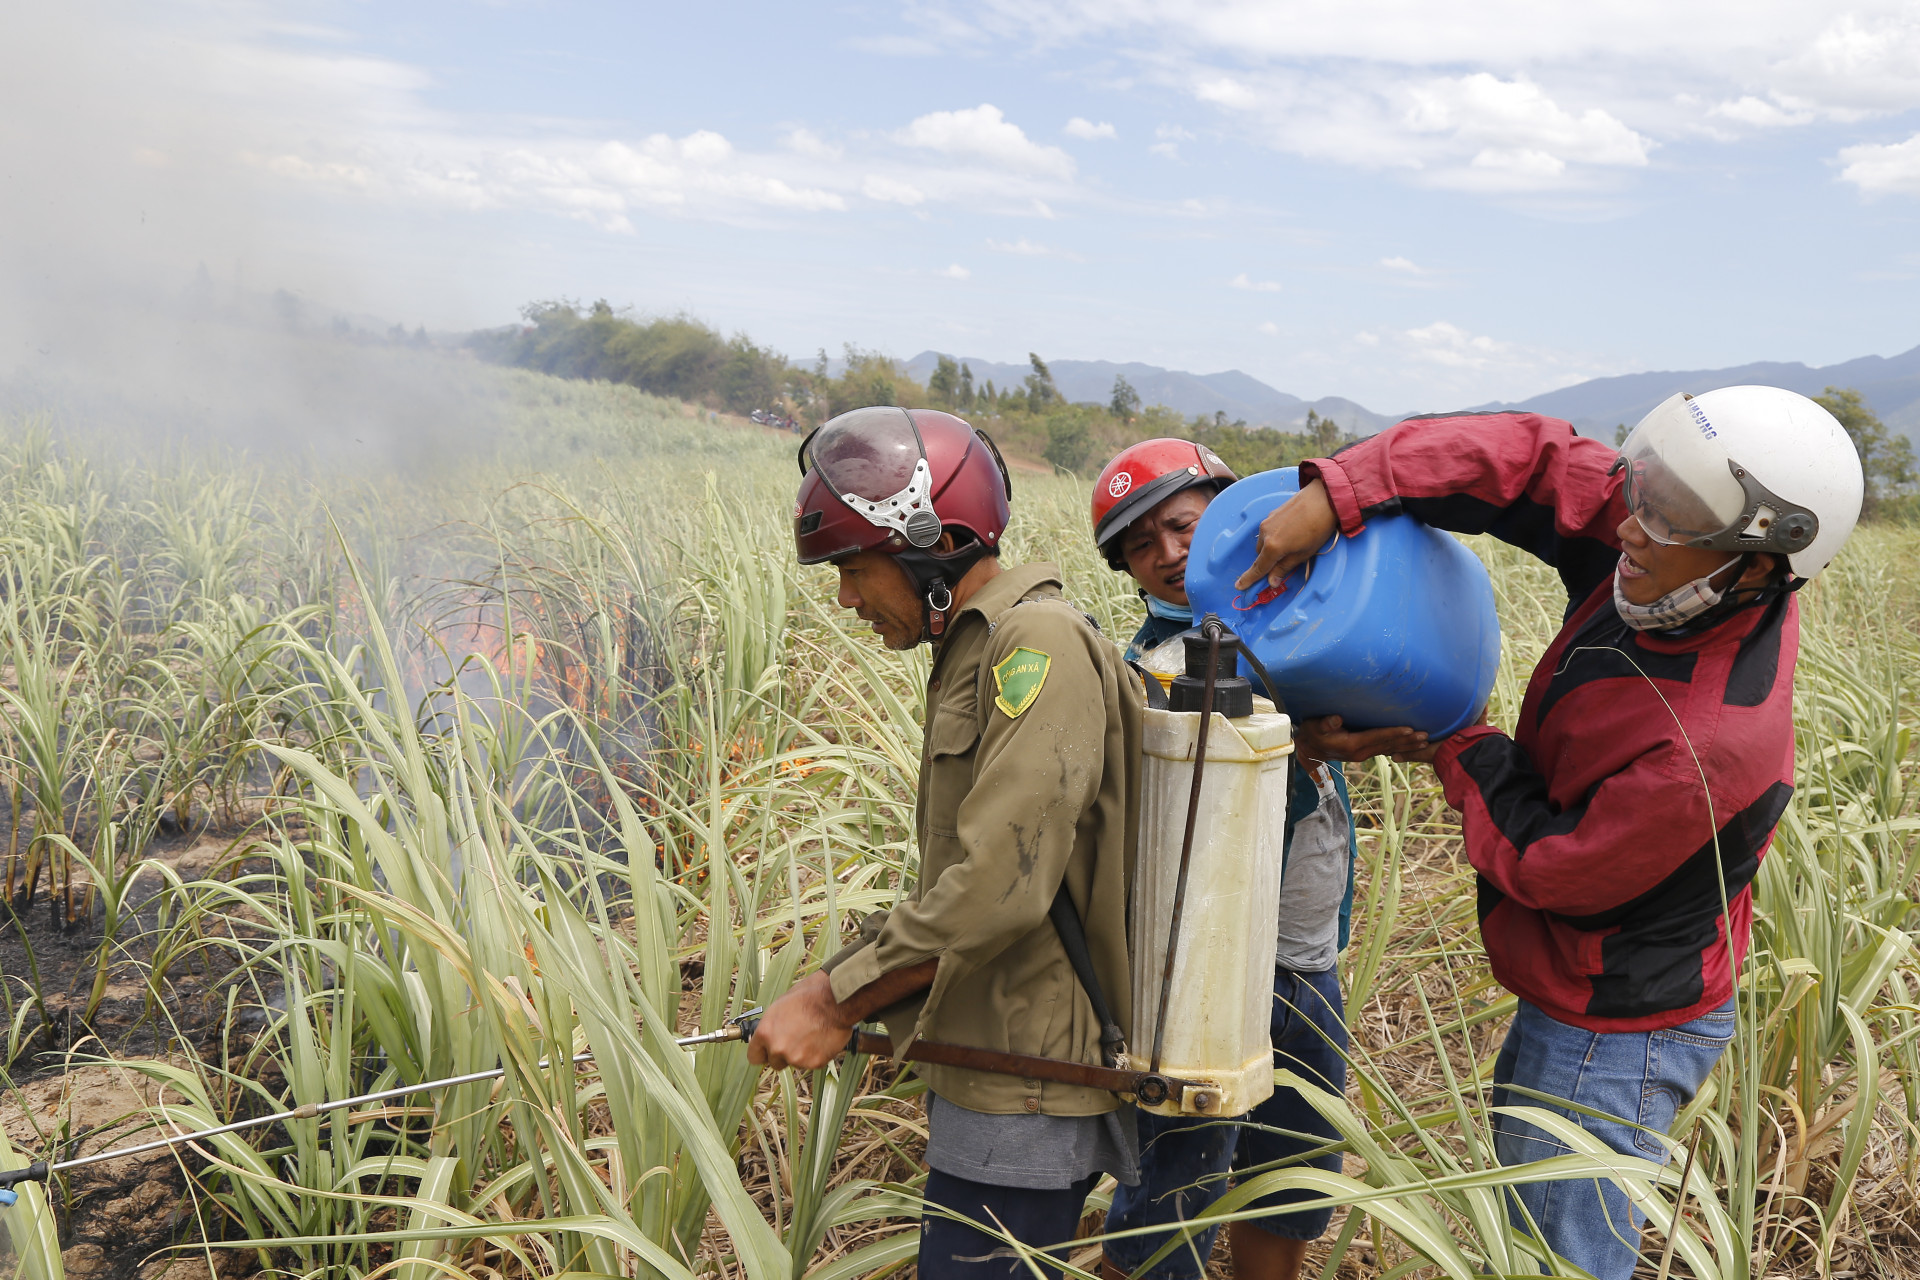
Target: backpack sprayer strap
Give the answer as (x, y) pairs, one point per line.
(1147, 1087)
(1073, 936)
(1155, 691)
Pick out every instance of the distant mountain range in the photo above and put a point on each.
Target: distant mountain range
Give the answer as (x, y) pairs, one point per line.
(1233, 393)
(1891, 385)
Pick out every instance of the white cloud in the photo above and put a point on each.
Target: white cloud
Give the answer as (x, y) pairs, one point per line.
(891, 190)
(1225, 91)
(1269, 328)
(656, 170)
(360, 128)
(1450, 345)
(1520, 137)
(810, 144)
(1871, 39)
(249, 105)
(1451, 363)
(1405, 265)
(1512, 167)
(1088, 131)
(1243, 281)
(1882, 169)
(601, 183)
(1517, 114)
(954, 271)
(702, 147)
(984, 133)
(1476, 131)
(1170, 137)
(1758, 112)
(1860, 62)
(1439, 365)
(1499, 99)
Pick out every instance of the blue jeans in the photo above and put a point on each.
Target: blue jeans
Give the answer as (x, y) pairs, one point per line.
(951, 1250)
(1185, 1160)
(1640, 1076)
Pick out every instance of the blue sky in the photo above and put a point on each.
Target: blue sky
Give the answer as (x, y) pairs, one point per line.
(1412, 205)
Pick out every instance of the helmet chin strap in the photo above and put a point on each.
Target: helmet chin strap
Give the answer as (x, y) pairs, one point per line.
(933, 575)
(937, 601)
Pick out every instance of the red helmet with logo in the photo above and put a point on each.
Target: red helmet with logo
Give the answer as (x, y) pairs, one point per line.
(894, 480)
(1144, 475)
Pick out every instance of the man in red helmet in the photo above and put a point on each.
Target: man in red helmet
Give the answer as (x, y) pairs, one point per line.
(1146, 504)
(1027, 809)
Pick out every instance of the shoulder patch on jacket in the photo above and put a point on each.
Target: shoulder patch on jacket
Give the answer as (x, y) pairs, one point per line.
(1019, 678)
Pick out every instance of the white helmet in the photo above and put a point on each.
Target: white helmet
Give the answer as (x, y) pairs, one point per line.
(1745, 469)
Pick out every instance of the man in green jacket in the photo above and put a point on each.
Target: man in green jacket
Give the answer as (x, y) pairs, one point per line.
(1028, 781)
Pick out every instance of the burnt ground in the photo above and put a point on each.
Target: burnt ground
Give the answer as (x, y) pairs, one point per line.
(121, 1219)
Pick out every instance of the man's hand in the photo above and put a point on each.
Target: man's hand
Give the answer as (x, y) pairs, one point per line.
(1328, 738)
(803, 1028)
(807, 1028)
(1426, 754)
(1291, 535)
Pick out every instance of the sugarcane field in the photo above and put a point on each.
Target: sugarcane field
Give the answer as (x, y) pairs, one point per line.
(321, 784)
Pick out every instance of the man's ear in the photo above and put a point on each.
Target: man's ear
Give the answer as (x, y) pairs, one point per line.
(1760, 569)
(946, 544)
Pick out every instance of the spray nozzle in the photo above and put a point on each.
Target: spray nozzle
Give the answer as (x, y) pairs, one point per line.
(35, 1172)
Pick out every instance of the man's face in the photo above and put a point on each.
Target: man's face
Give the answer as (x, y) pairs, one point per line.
(877, 589)
(1155, 546)
(1649, 569)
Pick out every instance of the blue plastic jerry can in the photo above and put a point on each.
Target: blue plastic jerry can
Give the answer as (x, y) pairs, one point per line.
(1394, 626)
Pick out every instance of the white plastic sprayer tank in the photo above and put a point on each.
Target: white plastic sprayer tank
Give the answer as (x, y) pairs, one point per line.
(1220, 1008)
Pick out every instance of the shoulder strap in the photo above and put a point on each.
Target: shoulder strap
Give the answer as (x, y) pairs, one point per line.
(1156, 693)
(1073, 936)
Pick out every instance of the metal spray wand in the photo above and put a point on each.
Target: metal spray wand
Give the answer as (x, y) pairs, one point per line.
(739, 1028)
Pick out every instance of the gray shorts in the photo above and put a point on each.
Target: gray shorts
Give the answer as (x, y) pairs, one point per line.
(1036, 1152)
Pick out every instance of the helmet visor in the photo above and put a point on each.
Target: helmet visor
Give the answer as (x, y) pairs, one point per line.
(1678, 484)
(1666, 507)
(874, 461)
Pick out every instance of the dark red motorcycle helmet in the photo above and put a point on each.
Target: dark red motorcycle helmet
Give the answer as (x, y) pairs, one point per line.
(1141, 477)
(894, 480)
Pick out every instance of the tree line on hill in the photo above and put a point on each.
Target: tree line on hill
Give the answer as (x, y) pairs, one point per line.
(686, 359)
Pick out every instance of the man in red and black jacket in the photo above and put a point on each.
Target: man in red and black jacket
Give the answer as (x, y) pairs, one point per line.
(1618, 831)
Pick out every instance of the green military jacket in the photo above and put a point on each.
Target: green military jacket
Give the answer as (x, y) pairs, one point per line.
(1029, 772)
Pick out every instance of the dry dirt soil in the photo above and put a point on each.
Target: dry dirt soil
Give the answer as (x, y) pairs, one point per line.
(120, 1219)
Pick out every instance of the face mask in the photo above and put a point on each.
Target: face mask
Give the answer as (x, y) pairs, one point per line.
(1171, 612)
(1676, 608)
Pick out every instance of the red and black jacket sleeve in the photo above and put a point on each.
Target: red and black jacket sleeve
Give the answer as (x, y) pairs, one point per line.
(1590, 861)
(1527, 480)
